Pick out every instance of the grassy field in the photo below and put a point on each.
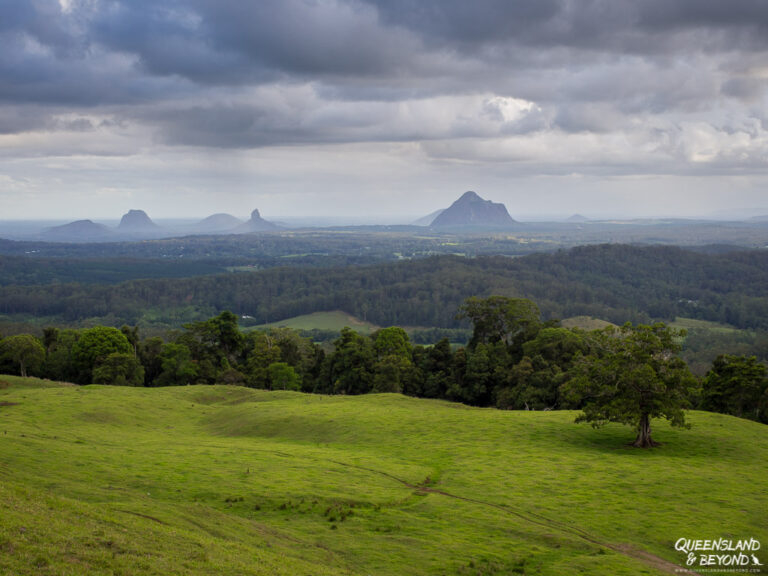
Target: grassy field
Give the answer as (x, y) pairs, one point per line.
(335, 320)
(227, 480)
(585, 323)
(704, 325)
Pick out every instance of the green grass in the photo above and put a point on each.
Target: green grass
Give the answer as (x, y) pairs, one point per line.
(335, 320)
(227, 480)
(704, 325)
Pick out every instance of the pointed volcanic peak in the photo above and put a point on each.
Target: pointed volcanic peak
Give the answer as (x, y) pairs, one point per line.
(136, 221)
(79, 231)
(218, 223)
(577, 219)
(255, 224)
(472, 211)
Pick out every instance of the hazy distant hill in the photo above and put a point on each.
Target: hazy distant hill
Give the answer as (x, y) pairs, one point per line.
(136, 225)
(79, 231)
(136, 221)
(473, 211)
(577, 218)
(255, 224)
(218, 223)
(429, 218)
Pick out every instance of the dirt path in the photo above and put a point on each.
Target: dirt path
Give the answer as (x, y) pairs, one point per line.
(147, 516)
(643, 556)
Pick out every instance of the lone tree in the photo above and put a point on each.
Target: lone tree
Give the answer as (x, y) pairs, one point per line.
(24, 350)
(630, 375)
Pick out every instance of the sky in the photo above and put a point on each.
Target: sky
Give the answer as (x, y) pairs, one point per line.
(383, 110)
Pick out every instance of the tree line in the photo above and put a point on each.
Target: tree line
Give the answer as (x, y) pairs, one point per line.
(514, 360)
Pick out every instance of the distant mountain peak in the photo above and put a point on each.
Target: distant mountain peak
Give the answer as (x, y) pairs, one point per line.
(471, 196)
(218, 223)
(256, 224)
(78, 231)
(136, 220)
(470, 210)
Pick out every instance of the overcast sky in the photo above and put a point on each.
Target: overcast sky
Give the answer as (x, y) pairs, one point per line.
(384, 109)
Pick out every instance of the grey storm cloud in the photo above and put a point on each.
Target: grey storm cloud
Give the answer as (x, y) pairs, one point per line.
(194, 71)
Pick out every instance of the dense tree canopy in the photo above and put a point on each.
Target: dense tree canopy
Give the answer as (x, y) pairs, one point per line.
(737, 385)
(501, 319)
(119, 369)
(616, 283)
(93, 346)
(23, 350)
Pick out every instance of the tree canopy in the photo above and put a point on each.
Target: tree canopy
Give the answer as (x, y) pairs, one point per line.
(94, 346)
(24, 350)
(501, 319)
(737, 385)
(631, 375)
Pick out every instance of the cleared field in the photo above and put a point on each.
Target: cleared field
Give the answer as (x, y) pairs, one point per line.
(585, 323)
(703, 325)
(228, 480)
(335, 320)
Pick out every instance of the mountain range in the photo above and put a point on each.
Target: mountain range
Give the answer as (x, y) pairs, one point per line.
(137, 225)
(470, 211)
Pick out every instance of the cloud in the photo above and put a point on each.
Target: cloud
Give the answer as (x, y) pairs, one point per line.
(609, 87)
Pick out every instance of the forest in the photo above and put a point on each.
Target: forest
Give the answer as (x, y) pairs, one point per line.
(719, 295)
(514, 360)
(617, 283)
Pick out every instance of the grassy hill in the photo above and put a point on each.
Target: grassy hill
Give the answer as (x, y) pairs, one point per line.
(232, 481)
(333, 320)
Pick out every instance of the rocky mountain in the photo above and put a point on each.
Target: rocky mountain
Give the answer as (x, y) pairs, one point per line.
(471, 211)
(79, 231)
(136, 221)
(255, 224)
(136, 225)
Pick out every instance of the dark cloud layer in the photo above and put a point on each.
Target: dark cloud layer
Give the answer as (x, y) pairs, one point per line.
(231, 43)
(573, 82)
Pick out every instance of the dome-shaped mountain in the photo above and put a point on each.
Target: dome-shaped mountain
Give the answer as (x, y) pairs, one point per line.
(472, 211)
(136, 220)
(218, 223)
(79, 231)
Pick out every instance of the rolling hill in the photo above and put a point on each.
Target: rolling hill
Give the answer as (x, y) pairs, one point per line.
(227, 480)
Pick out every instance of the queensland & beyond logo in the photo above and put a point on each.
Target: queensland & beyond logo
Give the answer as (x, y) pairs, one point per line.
(720, 554)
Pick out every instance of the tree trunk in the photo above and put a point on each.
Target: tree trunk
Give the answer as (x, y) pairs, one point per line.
(23, 369)
(643, 439)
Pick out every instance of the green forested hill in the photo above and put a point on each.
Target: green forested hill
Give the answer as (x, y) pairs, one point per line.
(225, 480)
(617, 283)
